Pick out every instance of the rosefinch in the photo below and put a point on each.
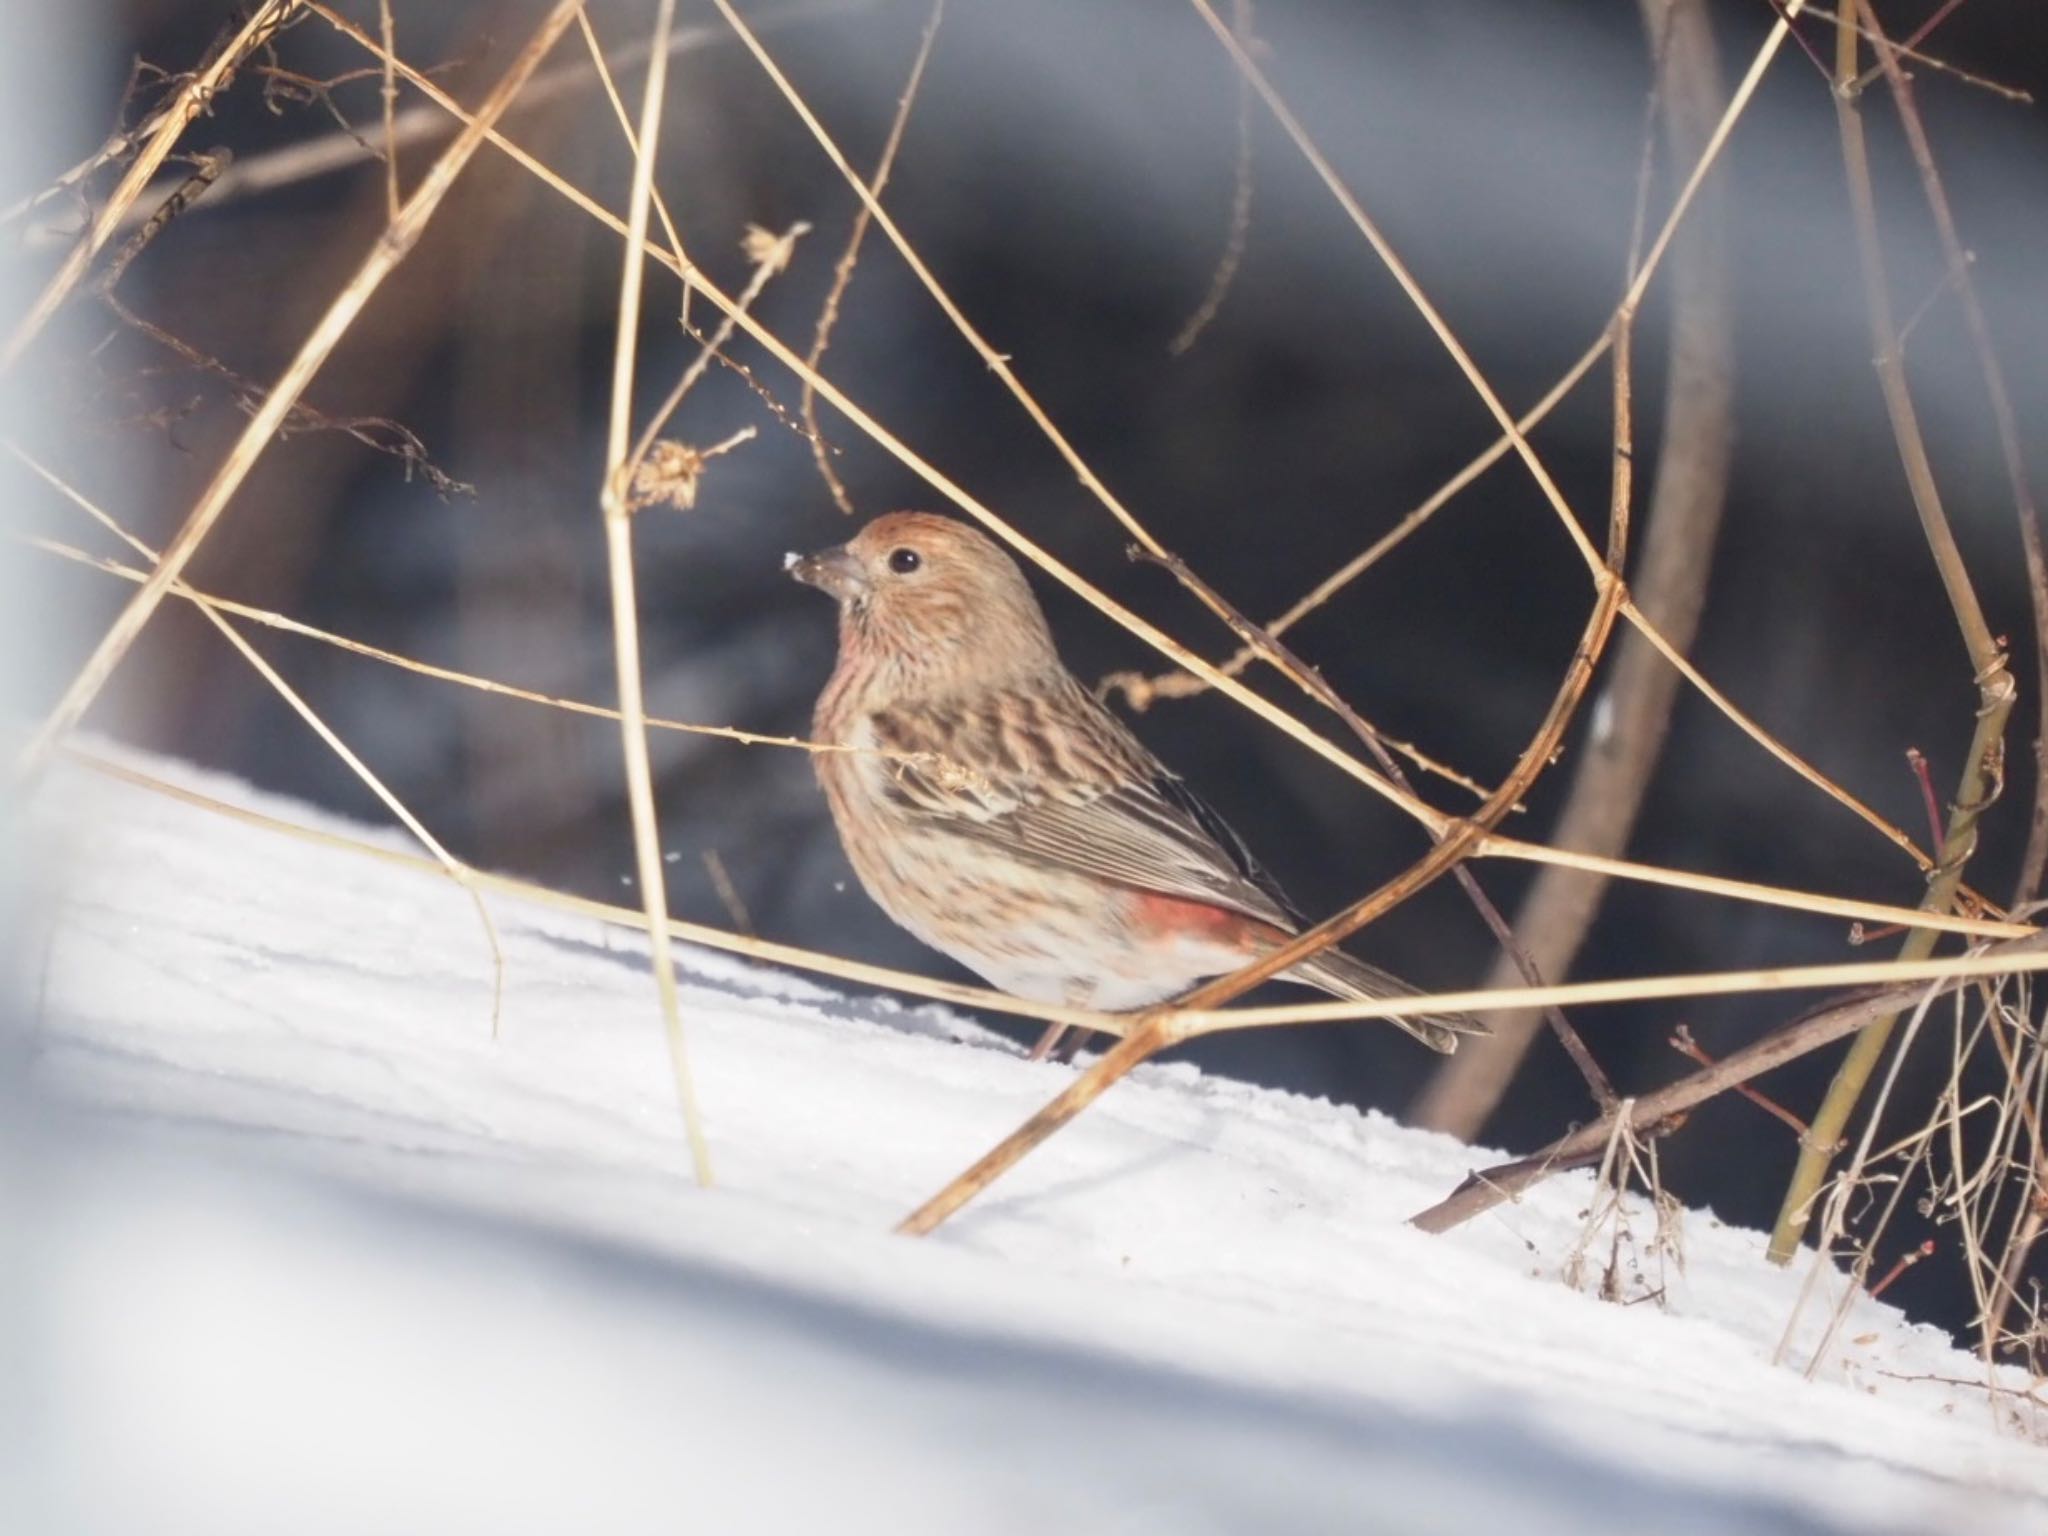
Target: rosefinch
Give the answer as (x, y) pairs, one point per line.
(1006, 818)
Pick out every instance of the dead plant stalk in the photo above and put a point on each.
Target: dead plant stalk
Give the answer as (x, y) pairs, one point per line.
(1983, 770)
(618, 540)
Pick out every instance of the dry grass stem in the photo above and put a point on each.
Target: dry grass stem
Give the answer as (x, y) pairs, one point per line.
(392, 200)
(618, 539)
(600, 66)
(1835, 1221)
(1905, 980)
(274, 620)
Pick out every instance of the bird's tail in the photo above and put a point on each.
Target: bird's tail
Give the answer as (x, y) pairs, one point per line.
(1343, 976)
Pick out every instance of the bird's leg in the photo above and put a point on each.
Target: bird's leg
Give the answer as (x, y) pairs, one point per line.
(1076, 1042)
(1078, 994)
(1049, 1041)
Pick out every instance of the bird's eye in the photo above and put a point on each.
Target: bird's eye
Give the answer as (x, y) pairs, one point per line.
(904, 561)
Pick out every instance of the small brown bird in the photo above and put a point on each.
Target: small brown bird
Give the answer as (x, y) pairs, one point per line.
(997, 811)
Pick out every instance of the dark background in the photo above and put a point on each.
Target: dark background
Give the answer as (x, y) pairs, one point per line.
(1068, 174)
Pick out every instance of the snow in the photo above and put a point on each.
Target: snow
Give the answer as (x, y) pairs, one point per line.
(310, 1244)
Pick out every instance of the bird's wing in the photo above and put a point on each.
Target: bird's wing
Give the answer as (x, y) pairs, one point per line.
(1047, 774)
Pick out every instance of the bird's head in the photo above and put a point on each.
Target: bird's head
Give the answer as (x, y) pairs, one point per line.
(925, 593)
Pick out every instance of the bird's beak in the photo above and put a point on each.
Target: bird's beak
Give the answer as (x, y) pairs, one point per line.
(833, 570)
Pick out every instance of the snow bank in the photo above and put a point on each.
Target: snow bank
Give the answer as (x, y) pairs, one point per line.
(312, 1246)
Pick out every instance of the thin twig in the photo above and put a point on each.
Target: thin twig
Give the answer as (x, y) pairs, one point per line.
(601, 68)
(1683, 1043)
(1240, 228)
(618, 540)
(2034, 863)
(1983, 771)
(392, 200)
(1736, 890)
(925, 762)
(2022, 957)
(1905, 1262)
(1834, 1219)
(1403, 278)
(842, 271)
(1810, 1032)
(770, 255)
(1930, 802)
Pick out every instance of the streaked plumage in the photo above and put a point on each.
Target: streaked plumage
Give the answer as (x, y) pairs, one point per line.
(997, 811)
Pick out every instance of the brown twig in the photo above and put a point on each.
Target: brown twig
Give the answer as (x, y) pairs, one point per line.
(1683, 1043)
(1983, 771)
(770, 256)
(1905, 1262)
(1801, 1036)
(1916, 760)
(1870, 33)
(1234, 241)
(380, 434)
(842, 271)
(2004, 421)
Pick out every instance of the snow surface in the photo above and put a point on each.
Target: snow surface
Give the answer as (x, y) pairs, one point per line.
(312, 1251)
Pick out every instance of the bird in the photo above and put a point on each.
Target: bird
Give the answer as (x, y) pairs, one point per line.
(993, 807)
